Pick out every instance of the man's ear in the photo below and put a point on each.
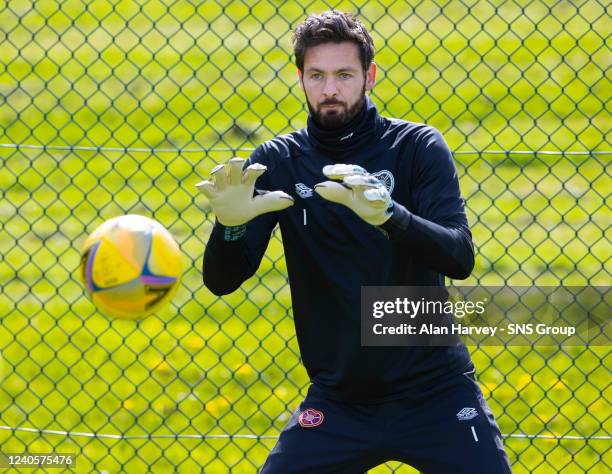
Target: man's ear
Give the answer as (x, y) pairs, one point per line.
(370, 76)
(300, 78)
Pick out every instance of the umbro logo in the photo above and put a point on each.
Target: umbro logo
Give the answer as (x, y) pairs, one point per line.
(303, 191)
(467, 413)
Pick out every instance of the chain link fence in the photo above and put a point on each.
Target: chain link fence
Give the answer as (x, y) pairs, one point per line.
(112, 107)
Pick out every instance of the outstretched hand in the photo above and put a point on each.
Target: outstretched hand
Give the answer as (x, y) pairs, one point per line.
(230, 191)
(358, 190)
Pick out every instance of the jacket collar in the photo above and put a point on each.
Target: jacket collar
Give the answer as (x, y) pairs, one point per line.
(341, 142)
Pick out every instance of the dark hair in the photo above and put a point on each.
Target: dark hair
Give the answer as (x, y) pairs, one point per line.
(332, 27)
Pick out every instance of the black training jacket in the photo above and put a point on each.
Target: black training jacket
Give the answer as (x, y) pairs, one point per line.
(331, 252)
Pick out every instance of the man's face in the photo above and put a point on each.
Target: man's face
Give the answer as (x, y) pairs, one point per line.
(334, 83)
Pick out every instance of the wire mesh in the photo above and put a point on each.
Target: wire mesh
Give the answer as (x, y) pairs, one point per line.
(114, 107)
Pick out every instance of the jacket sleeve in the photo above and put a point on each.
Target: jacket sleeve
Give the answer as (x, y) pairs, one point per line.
(436, 233)
(233, 254)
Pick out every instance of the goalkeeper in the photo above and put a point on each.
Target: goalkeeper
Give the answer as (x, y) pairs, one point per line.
(360, 200)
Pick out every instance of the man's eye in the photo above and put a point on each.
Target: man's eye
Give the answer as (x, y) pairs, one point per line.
(316, 76)
(345, 75)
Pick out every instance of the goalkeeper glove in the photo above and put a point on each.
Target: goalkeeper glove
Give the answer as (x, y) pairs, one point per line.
(230, 193)
(361, 192)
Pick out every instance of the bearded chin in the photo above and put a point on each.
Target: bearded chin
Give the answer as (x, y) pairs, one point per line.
(332, 121)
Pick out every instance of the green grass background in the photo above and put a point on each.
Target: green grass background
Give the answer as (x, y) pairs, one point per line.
(491, 76)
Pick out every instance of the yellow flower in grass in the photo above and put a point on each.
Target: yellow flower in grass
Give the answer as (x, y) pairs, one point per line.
(216, 405)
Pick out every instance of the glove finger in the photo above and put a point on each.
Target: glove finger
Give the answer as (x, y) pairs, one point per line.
(253, 172)
(377, 196)
(272, 201)
(219, 177)
(341, 171)
(206, 187)
(334, 192)
(361, 181)
(234, 170)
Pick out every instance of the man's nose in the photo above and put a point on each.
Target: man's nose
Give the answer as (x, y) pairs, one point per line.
(330, 89)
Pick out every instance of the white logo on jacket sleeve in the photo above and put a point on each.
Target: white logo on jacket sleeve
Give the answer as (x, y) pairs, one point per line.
(385, 177)
(467, 413)
(303, 191)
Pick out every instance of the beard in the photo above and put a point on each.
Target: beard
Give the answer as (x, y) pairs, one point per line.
(331, 119)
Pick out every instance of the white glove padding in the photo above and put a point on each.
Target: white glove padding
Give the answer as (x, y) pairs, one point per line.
(230, 192)
(361, 192)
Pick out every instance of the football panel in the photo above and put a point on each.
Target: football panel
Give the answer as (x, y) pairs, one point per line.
(136, 299)
(165, 255)
(126, 301)
(86, 263)
(159, 294)
(133, 243)
(110, 267)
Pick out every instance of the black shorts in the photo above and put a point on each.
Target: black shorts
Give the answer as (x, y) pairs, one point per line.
(448, 429)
